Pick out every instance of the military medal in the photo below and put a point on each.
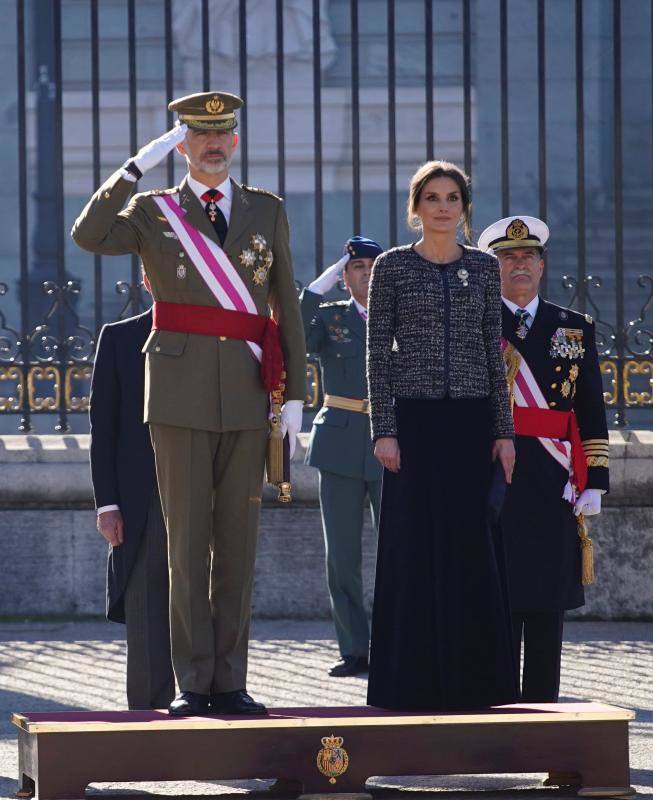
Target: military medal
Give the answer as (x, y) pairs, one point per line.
(258, 258)
(567, 343)
(181, 272)
(212, 210)
(522, 328)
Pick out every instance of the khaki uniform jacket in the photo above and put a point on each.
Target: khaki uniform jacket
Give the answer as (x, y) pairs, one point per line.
(195, 381)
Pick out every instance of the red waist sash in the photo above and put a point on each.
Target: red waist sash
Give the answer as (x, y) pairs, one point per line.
(212, 321)
(551, 424)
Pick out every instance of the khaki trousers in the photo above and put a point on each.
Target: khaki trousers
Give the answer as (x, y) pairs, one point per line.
(210, 485)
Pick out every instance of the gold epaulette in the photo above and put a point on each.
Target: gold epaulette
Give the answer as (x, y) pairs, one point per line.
(262, 191)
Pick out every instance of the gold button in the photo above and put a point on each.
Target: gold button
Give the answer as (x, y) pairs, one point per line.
(553, 403)
(558, 369)
(223, 338)
(157, 348)
(554, 385)
(107, 194)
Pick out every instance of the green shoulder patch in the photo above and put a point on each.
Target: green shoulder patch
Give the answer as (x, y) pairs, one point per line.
(159, 192)
(256, 190)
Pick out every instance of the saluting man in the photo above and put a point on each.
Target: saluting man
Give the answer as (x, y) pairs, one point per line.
(216, 254)
(340, 445)
(561, 468)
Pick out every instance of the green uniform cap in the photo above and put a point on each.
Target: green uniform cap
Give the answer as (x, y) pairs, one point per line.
(208, 111)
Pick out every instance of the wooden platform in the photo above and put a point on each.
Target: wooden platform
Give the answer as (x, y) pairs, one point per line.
(326, 750)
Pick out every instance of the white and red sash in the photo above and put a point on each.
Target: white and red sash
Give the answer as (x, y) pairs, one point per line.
(527, 394)
(211, 261)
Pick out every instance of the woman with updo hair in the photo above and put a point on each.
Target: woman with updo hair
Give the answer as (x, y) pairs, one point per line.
(442, 427)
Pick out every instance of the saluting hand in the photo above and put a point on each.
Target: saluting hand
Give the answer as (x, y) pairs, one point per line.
(110, 525)
(386, 449)
(150, 155)
(504, 450)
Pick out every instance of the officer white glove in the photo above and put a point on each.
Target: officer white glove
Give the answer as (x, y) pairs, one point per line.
(291, 421)
(151, 154)
(589, 503)
(328, 279)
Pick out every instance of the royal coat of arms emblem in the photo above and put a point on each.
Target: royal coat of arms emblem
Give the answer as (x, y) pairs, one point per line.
(333, 759)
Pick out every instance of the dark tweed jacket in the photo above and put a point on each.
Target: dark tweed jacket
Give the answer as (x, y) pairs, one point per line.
(429, 335)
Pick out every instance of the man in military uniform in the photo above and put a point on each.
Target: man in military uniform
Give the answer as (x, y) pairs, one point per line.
(561, 469)
(340, 445)
(216, 254)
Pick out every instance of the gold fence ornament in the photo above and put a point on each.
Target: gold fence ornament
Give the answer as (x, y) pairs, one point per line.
(11, 402)
(39, 402)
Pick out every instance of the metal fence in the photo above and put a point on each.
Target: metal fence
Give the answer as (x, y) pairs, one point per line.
(46, 354)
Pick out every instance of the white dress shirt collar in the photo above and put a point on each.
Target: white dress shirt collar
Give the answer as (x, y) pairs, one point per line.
(226, 188)
(531, 308)
(360, 308)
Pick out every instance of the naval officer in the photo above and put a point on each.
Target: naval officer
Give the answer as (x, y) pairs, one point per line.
(561, 469)
(226, 321)
(340, 445)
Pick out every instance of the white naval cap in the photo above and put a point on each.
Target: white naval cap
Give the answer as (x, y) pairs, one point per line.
(514, 232)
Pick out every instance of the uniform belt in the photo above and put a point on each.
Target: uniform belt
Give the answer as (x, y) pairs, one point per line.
(213, 321)
(347, 403)
(549, 424)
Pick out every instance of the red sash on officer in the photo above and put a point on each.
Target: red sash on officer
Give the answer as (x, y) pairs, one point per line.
(557, 431)
(554, 425)
(211, 321)
(238, 317)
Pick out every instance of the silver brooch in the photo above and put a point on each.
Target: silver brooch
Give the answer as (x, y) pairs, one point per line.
(463, 276)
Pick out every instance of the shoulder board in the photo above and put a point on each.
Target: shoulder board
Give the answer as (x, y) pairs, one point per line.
(334, 304)
(261, 191)
(159, 192)
(588, 318)
(564, 313)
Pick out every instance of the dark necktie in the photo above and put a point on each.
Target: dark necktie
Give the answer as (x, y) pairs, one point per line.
(522, 328)
(215, 215)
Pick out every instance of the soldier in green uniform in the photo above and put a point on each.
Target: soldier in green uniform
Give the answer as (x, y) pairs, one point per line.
(340, 445)
(217, 257)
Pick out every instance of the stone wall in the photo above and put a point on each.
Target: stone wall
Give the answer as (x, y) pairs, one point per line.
(52, 561)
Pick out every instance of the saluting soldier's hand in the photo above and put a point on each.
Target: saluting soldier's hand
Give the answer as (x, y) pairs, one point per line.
(328, 279)
(504, 450)
(110, 525)
(386, 449)
(150, 155)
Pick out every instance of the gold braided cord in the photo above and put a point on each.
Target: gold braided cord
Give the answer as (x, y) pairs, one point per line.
(596, 451)
(597, 461)
(595, 441)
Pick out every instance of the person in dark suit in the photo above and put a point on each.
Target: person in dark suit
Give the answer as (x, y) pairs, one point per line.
(341, 444)
(129, 510)
(562, 451)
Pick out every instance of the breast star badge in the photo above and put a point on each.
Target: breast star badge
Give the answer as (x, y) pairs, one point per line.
(257, 257)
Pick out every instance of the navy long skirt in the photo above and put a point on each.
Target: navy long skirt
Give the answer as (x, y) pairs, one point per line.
(440, 629)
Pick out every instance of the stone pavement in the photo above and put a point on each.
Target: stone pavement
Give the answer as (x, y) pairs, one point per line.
(49, 666)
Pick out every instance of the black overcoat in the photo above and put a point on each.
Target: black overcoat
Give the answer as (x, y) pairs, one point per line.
(122, 459)
(540, 530)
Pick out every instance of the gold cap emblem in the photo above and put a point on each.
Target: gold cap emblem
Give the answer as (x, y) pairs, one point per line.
(214, 105)
(517, 230)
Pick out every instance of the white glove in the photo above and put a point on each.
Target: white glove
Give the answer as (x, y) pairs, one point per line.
(328, 279)
(150, 154)
(291, 421)
(589, 503)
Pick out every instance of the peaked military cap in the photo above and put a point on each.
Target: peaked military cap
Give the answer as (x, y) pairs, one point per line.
(512, 232)
(360, 247)
(208, 111)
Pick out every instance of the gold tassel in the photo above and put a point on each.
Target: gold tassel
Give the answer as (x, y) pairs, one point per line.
(512, 360)
(587, 552)
(274, 454)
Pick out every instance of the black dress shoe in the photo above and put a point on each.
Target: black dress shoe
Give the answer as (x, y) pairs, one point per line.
(238, 702)
(189, 704)
(349, 665)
